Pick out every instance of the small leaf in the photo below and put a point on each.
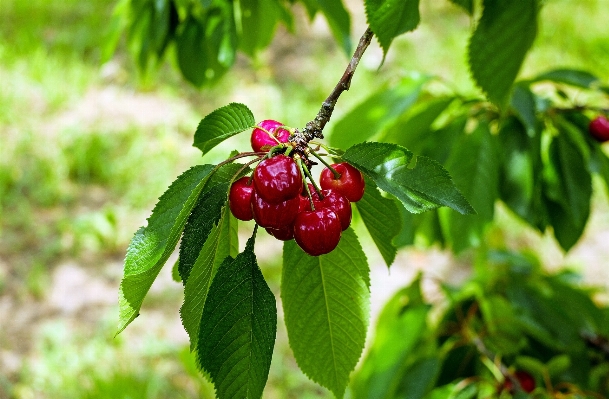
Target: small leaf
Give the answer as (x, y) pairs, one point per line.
(376, 112)
(420, 183)
(499, 44)
(238, 328)
(523, 102)
(326, 303)
(571, 77)
(221, 243)
(391, 18)
(221, 124)
(151, 246)
(467, 5)
(381, 216)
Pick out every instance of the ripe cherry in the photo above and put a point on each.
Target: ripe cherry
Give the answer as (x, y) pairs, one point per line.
(599, 128)
(284, 233)
(339, 204)
(350, 183)
(277, 215)
(261, 141)
(317, 232)
(277, 179)
(239, 199)
(526, 381)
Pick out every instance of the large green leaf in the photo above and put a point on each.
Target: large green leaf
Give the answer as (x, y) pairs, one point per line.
(381, 216)
(420, 183)
(151, 246)
(376, 112)
(221, 124)
(238, 328)
(467, 5)
(221, 243)
(391, 18)
(499, 44)
(571, 77)
(326, 305)
(474, 167)
(339, 20)
(258, 21)
(523, 103)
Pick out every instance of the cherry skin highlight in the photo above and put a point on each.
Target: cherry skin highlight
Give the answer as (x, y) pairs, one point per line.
(261, 141)
(277, 179)
(599, 128)
(339, 204)
(276, 216)
(350, 183)
(317, 232)
(239, 199)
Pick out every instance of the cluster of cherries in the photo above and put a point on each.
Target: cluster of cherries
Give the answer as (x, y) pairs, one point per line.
(276, 196)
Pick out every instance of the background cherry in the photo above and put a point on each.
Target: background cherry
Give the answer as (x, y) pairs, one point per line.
(599, 128)
(350, 184)
(526, 380)
(277, 179)
(277, 215)
(317, 232)
(239, 199)
(260, 139)
(339, 204)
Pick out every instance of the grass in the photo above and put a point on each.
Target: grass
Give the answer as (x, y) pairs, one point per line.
(76, 185)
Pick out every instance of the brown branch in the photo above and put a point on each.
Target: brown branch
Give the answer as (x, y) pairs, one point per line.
(314, 128)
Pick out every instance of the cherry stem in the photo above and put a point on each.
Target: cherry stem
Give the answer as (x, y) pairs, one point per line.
(260, 155)
(315, 186)
(326, 164)
(271, 135)
(304, 179)
(275, 149)
(249, 181)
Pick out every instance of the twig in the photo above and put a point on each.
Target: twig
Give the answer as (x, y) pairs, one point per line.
(484, 351)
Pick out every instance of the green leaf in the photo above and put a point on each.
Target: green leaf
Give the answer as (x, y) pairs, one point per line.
(391, 18)
(571, 77)
(523, 103)
(221, 243)
(151, 246)
(499, 44)
(326, 302)
(258, 20)
(377, 112)
(467, 5)
(339, 20)
(238, 328)
(221, 124)
(381, 216)
(420, 183)
(474, 168)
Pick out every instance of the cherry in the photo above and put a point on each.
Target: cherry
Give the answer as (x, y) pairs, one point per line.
(339, 204)
(599, 128)
(284, 233)
(239, 199)
(277, 179)
(526, 381)
(261, 141)
(305, 204)
(277, 215)
(317, 232)
(350, 183)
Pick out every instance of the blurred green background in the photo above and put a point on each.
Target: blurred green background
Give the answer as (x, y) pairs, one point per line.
(86, 148)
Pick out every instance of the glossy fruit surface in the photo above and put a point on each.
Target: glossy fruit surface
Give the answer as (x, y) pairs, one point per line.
(239, 199)
(599, 128)
(339, 204)
(317, 232)
(277, 179)
(350, 184)
(526, 380)
(277, 215)
(283, 234)
(261, 141)
(305, 204)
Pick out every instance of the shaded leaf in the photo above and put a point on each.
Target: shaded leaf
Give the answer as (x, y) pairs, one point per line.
(467, 5)
(571, 77)
(221, 124)
(339, 20)
(238, 328)
(326, 303)
(391, 18)
(420, 183)
(523, 103)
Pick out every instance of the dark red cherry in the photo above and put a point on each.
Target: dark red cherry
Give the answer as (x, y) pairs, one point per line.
(526, 381)
(284, 234)
(277, 215)
(317, 232)
(239, 199)
(261, 141)
(350, 183)
(339, 204)
(277, 179)
(599, 128)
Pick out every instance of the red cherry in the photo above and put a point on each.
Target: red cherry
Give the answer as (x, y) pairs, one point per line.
(526, 381)
(305, 204)
(339, 204)
(277, 179)
(284, 233)
(260, 139)
(350, 183)
(599, 128)
(276, 216)
(317, 232)
(312, 191)
(239, 199)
